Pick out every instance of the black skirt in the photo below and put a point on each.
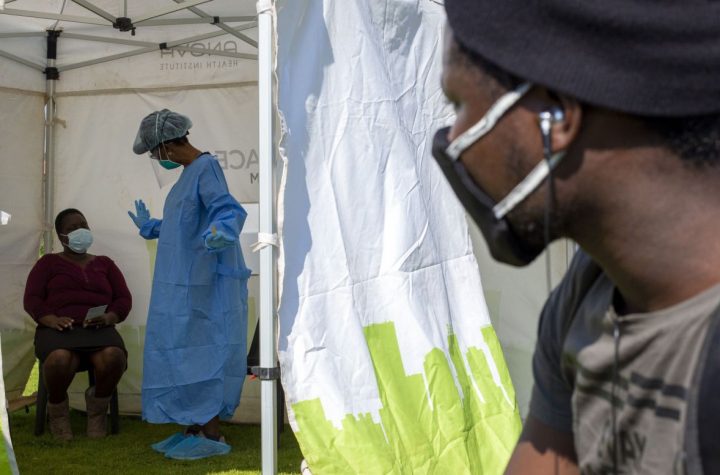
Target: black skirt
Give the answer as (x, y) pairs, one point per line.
(83, 341)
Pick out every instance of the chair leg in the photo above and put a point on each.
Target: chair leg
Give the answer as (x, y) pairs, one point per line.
(41, 404)
(114, 413)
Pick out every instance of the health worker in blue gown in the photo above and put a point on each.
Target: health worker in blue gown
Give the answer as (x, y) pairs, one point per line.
(195, 342)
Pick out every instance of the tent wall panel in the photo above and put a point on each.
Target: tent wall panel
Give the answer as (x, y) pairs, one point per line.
(21, 136)
(17, 76)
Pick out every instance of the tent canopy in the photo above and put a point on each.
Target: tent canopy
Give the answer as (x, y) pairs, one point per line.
(108, 31)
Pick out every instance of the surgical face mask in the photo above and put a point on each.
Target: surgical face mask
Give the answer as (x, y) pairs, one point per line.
(491, 217)
(79, 240)
(168, 164)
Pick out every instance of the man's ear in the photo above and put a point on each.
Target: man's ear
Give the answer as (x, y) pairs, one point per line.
(566, 128)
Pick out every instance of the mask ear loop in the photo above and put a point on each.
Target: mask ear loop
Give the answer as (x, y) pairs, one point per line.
(163, 144)
(157, 119)
(157, 136)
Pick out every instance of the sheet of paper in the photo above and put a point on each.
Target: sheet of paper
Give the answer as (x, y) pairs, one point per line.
(95, 312)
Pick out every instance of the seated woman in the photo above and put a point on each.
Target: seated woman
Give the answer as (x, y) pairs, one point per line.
(60, 290)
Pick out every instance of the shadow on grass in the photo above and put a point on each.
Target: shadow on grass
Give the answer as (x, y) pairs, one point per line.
(129, 451)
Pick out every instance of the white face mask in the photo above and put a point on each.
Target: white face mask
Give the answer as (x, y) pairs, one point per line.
(79, 240)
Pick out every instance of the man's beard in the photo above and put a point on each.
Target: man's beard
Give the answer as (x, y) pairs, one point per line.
(529, 225)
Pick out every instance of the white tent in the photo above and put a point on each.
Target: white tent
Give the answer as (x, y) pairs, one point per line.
(68, 125)
(75, 79)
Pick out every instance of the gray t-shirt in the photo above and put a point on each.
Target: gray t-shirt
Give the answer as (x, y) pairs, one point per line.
(587, 356)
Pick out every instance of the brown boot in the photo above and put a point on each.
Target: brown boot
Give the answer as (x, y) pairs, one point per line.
(59, 415)
(96, 414)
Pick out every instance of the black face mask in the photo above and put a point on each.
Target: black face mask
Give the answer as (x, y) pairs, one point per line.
(504, 245)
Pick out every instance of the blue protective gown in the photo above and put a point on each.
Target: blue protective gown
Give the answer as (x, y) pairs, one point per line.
(195, 343)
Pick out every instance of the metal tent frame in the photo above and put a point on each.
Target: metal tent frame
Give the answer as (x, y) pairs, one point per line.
(265, 23)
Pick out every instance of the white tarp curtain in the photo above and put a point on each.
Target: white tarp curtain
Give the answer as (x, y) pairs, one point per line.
(8, 463)
(99, 108)
(514, 296)
(388, 358)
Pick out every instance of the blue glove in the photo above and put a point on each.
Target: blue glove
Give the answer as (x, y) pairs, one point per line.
(143, 215)
(218, 240)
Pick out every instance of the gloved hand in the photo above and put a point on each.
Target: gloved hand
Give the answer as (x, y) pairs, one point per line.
(218, 240)
(143, 214)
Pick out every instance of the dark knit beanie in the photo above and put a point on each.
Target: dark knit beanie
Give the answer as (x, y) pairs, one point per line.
(646, 57)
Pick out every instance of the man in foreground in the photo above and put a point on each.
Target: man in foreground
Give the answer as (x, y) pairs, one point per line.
(600, 122)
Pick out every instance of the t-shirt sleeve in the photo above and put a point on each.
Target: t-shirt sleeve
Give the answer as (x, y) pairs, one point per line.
(551, 394)
(551, 400)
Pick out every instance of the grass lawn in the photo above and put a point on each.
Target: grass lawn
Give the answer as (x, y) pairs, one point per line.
(129, 452)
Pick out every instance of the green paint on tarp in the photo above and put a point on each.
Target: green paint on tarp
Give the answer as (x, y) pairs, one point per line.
(429, 423)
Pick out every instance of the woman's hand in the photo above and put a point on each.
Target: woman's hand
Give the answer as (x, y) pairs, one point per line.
(58, 323)
(104, 320)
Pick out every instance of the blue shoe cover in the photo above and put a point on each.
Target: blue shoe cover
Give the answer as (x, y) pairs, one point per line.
(194, 448)
(167, 444)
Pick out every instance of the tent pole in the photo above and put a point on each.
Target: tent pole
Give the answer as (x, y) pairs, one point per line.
(51, 75)
(268, 355)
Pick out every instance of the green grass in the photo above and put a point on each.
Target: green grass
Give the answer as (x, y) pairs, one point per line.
(32, 382)
(129, 451)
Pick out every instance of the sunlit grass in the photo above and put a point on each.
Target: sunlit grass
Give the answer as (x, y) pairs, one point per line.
(129, 452)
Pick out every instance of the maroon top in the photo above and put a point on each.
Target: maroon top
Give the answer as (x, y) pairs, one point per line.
(59, 287)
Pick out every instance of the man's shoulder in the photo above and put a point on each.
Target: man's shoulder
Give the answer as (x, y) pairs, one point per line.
(552, 393)
(582, 273)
